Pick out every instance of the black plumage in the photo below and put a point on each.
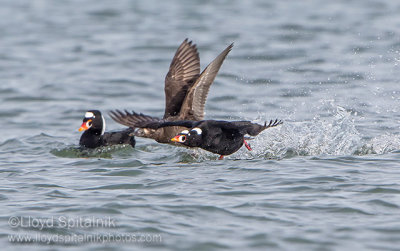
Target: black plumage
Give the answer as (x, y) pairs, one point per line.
(216, 136)
(94, 134)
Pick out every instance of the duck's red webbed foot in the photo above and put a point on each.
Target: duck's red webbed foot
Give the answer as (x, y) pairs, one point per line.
(221, 157)
(247, 145)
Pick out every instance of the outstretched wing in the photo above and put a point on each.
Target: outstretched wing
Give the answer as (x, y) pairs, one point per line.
(193, 105)
(131, 119)
(159, 124)
(252, 129)
(140, 120)
(183, 71)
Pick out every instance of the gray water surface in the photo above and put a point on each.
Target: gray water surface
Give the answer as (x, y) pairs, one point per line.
(327, 179)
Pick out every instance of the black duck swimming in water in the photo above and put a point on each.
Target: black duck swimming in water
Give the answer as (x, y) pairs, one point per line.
(94, 134)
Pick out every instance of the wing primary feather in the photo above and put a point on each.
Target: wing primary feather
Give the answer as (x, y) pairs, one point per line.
(193, 105)
(184, 68)
(131, 119)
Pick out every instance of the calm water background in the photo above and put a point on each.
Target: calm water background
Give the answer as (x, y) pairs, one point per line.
(327, 179)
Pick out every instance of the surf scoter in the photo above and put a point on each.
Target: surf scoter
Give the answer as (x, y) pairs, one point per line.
(216, 136)
(94, 136)
(185, 93)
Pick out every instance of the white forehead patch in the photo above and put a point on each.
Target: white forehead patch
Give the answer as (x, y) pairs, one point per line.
(185, 132)
(197, 130)
(89, 115)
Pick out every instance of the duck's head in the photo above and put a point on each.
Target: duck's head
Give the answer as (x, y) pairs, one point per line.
(94, 122)
(192, 137)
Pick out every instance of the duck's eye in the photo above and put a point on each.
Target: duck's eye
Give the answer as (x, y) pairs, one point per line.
(182, 138)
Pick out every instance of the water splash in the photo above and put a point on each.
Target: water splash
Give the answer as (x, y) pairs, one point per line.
(335, 135)
(382, 144)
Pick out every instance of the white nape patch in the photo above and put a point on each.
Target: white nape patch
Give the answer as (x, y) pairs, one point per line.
(89, 115)
(185, 132)
(103, 129)
(197, 130)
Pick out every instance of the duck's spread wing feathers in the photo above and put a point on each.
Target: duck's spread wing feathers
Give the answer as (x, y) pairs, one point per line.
(159, 124)
(183, 71)
(193, 105)
(252, 129)
(140, 120)
(131, 119)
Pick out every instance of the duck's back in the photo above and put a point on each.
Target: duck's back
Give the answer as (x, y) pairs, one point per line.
(120, 137)
(220, 141)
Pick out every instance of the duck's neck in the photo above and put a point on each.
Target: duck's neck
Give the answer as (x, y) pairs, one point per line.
(96, 132)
